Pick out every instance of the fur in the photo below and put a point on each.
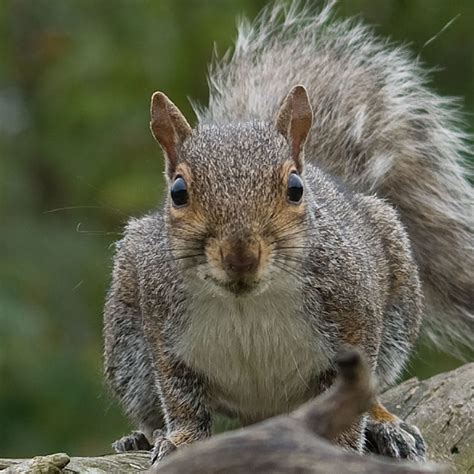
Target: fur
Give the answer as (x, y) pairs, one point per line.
(252, 348)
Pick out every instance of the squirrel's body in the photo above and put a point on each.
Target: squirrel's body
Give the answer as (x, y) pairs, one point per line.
(235, 297)
(266, 353)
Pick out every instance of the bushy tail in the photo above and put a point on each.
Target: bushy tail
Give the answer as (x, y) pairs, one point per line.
(377, 125)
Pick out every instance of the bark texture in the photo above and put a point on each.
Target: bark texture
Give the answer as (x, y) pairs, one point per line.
(443, 409)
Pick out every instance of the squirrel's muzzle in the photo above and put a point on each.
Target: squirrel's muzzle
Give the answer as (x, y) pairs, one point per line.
(240, 259)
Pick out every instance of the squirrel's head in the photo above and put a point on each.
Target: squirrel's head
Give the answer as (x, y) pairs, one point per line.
(236, 207)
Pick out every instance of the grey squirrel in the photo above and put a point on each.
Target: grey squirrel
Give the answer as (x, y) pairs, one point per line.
(300, 220)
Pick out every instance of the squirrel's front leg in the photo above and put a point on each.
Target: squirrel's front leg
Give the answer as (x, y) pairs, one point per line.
(187, 417)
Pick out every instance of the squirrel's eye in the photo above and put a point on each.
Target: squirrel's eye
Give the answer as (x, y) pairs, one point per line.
(295, 188)
(179, 192)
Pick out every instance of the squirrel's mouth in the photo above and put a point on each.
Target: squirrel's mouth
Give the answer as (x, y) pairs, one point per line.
(237, 287)
(240, 288)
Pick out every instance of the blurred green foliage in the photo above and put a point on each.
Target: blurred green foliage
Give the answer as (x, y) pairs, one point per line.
(77, 159)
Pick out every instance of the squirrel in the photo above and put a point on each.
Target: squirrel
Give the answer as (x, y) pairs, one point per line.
(300, 220)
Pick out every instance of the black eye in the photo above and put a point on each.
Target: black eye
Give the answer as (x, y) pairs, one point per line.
(179, 192)
(295, 188)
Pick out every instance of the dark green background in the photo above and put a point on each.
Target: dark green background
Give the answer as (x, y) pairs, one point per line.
(77, 159)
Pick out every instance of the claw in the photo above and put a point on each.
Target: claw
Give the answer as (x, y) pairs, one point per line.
(135, 441)
(396, 439)
(163, 447)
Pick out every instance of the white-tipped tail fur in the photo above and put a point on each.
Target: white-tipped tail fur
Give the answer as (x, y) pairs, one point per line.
(377, 125)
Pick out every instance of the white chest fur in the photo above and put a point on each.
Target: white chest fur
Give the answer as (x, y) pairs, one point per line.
(258, 352)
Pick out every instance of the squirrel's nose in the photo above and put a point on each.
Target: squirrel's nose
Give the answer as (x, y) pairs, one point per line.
(239, 262)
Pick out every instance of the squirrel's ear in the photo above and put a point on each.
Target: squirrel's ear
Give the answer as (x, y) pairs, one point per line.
(169, 127)
(294, 120)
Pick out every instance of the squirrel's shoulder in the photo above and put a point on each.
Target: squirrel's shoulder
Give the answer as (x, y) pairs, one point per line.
(363, 216)
(142, 234)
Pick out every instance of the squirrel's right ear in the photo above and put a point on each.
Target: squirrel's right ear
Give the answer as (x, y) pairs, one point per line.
(169, 127)
(294, 120)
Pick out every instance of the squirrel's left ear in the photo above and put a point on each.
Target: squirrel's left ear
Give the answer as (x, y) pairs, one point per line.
(169, 127)
(294, 120)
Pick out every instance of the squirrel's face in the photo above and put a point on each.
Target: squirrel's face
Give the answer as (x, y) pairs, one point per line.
(236, 208)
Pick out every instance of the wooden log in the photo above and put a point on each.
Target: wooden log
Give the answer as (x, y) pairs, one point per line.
(442, 407)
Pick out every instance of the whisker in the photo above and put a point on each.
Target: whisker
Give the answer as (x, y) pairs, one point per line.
(183, 257)
(72, 208)
(95, 232)
(292, 223)
(289, 236)
(176, 249)
(294, 258)
(289, 259)
(288, 269)
(296, 247)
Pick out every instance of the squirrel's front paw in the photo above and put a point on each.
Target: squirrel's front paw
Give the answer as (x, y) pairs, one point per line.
(396, 439)
(163, 446)
(135, 441)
